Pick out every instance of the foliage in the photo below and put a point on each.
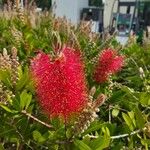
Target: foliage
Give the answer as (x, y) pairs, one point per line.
(123, 120)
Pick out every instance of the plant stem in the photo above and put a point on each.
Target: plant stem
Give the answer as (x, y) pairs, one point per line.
(126, 135)
(109, 113)
(36, 119)
(121, 135)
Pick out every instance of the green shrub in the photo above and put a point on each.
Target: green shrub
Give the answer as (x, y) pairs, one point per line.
(123, 120)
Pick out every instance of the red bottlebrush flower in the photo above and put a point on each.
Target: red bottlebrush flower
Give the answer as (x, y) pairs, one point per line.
(109, 63)
(60, 84)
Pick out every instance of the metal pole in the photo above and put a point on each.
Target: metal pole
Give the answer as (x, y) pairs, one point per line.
(133, 16)
(110, 22)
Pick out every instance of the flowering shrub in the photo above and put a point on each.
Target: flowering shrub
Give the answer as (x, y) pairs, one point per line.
(64, 87)
(109, 63)
(60, 83)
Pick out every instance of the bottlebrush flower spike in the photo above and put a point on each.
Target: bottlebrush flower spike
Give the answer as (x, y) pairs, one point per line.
(60, 83)
(109, 63)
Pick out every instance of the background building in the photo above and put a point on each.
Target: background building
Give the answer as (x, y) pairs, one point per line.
(80, 9)
(71, 9)
(111, 6)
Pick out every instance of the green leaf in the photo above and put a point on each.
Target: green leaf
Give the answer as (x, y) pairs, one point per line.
(6, 108)
(127, 89)
(81, 145)
(38, 137)
(117, 146)
(104, 142)
(145, 98)
(140, 121)
(59, 133)
(117, 96)
(20, 72)
(86, 139)
(106, 131)
(130, 92)
(51, 135)
(24, 79)
(29, 98)
(25, 99)
(132, 116)
(5, 77)
(94, 127)
(7, 132)
(115, 112)
(145, 141)
(16, 103)
(128, 121)
(1, 147)
(97, 143)
(69, 133)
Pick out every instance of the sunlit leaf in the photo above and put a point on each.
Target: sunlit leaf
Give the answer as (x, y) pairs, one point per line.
(38, 137)
(140, 121)
(81, 145)
(128, 121)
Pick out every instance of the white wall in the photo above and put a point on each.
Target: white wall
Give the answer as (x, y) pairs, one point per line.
(81, 4)
(69, 8)
(108, 9)
(72, 9)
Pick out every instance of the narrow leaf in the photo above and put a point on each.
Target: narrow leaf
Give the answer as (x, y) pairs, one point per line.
(81, 145)
(128, 121)
(139, 118)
